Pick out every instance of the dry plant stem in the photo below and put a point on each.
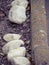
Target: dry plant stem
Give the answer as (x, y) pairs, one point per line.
(39, 32)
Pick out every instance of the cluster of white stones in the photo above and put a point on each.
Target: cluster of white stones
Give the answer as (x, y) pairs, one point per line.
(15, 53)
(17, 13)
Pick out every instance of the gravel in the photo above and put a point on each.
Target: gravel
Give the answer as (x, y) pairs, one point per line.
(8, 27)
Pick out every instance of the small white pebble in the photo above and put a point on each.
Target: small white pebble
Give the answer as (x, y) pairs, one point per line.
(19, 52)
(20, 61)
(12, 45)
(17, 14)
(9, 37)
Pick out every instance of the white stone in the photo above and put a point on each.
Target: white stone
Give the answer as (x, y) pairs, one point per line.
(9, 37)
(17, 14)
(19, 52)
(20, 61)
(12, 45)
(23, 3)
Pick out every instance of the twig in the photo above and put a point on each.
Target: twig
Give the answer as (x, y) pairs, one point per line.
(39, 32)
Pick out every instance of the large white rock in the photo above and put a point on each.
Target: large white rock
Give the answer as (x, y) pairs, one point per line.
(17, 14)
(20, 61)
(19, 52)
(12, 45)
(23, 3)
(9, 37)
